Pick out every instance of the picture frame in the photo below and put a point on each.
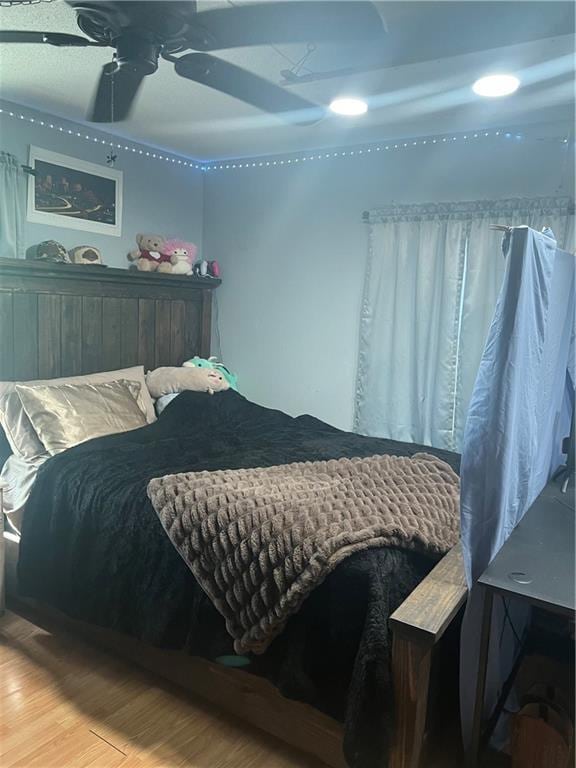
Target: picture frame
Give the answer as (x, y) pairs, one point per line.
(67, 192)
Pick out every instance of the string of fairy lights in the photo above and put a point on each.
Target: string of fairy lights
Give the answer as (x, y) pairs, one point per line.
(296, 159)
(371, 149)
(108, 142)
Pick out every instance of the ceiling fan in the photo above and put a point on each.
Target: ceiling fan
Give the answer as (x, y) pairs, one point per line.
(140, 32)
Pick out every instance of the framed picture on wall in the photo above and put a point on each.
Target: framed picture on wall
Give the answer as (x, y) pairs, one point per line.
(67, 192)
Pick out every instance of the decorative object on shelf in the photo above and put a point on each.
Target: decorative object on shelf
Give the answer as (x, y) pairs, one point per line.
(206, 269)
(85, 254)
(171, 256)
(51, 250)
(149, 256)
(200, 268)
(212, 362)
(67, 192)
(181, 254)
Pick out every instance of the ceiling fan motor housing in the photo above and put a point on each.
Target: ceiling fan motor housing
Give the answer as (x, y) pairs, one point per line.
(139, 30)
(134, 50)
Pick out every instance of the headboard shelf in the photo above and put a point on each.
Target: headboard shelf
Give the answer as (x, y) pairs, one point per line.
(65, 320)
(22, 275)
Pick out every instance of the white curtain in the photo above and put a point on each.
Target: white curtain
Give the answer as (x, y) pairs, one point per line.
(433, 275)
(12, 207)
(409, 325)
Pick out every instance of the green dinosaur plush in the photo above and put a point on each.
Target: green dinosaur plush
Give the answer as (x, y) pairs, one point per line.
(212, 362)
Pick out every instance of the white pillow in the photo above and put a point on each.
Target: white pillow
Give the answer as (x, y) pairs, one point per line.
(19, 431)
(70, 414)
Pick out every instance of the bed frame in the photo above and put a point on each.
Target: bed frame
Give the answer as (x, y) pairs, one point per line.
(70, 319)
(64, 320)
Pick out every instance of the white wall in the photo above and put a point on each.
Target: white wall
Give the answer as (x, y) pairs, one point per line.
(158, 196)
(292, 247)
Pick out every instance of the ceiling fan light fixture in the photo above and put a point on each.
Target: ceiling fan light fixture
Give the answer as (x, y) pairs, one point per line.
(495, 86)
(348, 106)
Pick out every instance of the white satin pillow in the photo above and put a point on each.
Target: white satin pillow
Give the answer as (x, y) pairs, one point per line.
(71, 414)
(19, 431)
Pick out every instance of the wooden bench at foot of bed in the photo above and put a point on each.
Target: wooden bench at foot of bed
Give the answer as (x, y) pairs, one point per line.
(418, 626)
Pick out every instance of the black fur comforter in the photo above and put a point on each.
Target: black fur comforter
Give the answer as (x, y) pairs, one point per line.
(93, 547)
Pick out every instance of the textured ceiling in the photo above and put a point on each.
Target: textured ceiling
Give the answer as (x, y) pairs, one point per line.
(409, 99)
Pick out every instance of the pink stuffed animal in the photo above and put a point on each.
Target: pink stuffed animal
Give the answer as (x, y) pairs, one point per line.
(181, 256)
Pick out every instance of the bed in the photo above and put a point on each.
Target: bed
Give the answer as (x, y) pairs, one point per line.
(336, 661)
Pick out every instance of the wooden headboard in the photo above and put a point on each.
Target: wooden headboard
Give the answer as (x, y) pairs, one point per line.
(66, 320)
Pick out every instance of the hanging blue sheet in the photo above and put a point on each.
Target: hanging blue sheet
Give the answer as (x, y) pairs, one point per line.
(517, 418)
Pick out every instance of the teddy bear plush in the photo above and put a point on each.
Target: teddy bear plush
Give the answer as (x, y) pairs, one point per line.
(181, 254)
(150, 256)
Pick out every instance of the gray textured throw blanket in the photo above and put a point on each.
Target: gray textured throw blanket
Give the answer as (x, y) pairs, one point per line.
(260, 540)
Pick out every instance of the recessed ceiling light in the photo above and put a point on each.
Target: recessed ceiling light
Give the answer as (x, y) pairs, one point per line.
(349, 107)
(494, 86)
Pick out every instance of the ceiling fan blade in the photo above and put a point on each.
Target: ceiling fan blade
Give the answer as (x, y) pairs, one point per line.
(116, 92)
(286, 22)
(49, 38)
(241, 84)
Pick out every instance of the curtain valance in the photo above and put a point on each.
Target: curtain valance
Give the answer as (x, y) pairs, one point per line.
(471, 209)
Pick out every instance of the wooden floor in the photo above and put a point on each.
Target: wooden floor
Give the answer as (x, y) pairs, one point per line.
(64, 704)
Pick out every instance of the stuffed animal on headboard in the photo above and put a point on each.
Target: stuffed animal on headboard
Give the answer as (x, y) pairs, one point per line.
(212, 362)
(181, 254)
(149, 256)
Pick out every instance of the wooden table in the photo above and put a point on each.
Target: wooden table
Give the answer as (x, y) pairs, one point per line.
(536, 564)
